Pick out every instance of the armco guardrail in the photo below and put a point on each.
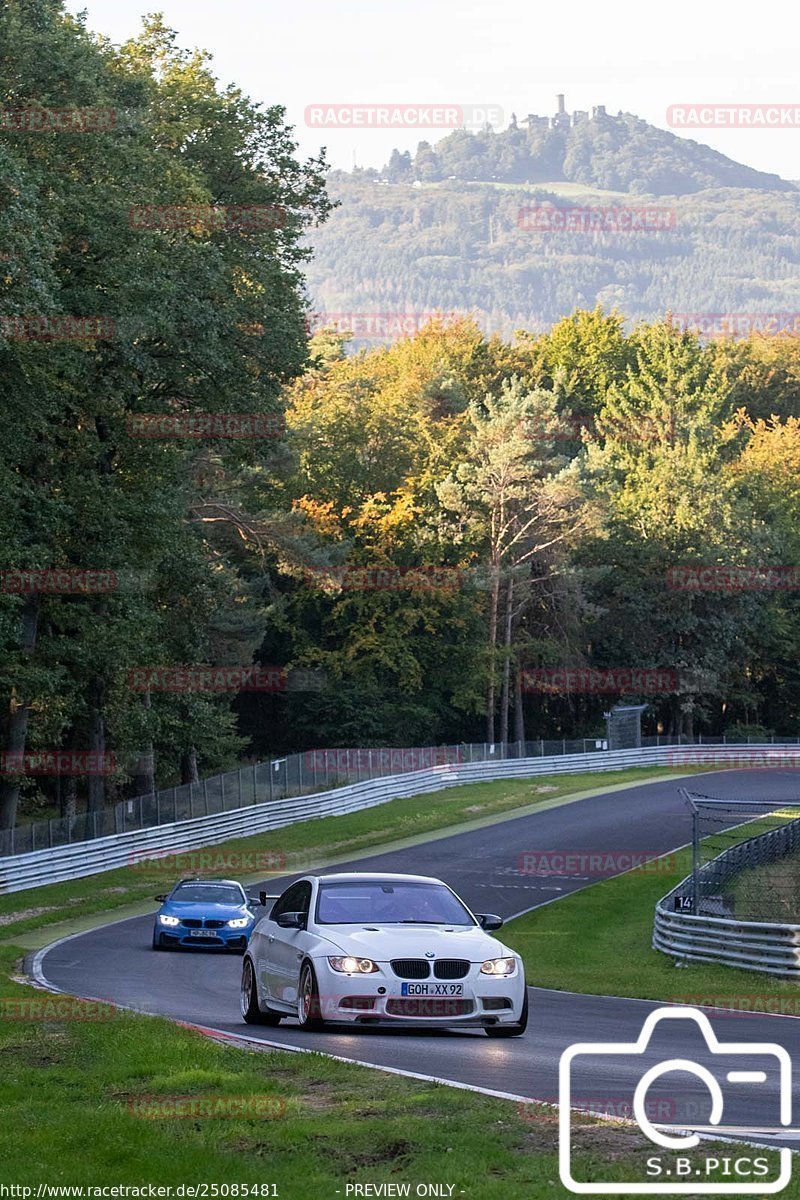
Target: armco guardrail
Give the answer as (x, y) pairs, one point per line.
(78, 859)
(280, 778)
(765, 946)
(749, 945)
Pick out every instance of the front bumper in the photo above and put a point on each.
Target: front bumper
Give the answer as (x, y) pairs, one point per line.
(219, 939)
(378, 998)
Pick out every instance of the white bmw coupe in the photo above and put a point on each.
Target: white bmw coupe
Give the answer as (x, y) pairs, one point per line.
(398, 949)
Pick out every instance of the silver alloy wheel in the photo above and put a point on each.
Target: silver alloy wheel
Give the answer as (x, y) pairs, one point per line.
(306, 993)
(248, 983)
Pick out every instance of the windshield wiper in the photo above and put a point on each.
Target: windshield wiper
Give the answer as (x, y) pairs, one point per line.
(412, 921)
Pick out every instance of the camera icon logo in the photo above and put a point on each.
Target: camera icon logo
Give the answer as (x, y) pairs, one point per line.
(680, 1175)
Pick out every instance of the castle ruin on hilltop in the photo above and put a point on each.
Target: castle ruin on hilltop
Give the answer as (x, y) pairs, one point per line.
(562, 119)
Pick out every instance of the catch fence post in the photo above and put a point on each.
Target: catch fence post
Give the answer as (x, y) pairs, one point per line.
(696, 862)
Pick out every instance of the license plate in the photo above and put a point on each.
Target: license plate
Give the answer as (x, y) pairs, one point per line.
(202, 933)
(431, 989)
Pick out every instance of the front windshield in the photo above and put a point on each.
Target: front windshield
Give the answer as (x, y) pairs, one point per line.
(389, 903)
(207, 893)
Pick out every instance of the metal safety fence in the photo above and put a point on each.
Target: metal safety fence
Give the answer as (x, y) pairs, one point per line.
(258, 783)
(296, 775)
(116, 849)
(741, 904)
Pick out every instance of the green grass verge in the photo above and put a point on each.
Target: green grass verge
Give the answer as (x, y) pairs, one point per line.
(608, 928)
(131, 1100)
(300, 845)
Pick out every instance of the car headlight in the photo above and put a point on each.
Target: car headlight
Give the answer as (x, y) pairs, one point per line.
(238, 922)
(499, 966)
(354, 966)
(168, 920)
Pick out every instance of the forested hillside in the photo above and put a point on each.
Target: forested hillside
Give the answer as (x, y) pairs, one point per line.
(470, 247)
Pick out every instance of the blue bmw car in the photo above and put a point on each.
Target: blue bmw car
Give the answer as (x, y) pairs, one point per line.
(204, 912)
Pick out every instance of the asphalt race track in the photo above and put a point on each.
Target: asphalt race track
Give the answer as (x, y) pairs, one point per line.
(116, 963)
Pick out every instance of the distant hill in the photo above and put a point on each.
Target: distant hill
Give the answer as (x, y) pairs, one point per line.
(445, 229)
(621, 153)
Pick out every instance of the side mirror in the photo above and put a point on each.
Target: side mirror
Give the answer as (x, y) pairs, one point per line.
(255, 900)
(291, 920)
(160, 899)
(489, 921)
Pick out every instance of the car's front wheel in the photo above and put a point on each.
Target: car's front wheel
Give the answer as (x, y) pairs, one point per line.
(309, 1012)
(249, 999)
(157, 942)
(515, 1030)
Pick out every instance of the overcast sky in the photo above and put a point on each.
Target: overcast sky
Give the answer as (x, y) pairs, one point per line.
(512, 54)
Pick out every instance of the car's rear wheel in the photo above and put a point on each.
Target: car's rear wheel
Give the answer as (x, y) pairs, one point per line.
(249, 999)
(515, 1030)
(309, 1012)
